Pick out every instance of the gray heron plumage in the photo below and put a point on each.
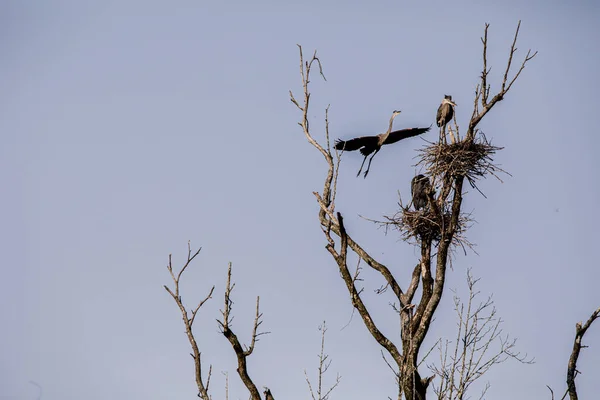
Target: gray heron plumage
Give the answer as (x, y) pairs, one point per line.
(372, 144)
(444, 115)
(419, 186)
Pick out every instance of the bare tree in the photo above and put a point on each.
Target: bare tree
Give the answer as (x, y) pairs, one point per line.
(241, 352)
(324, 364)
(479, 345)
(572, 371)
(440, 227)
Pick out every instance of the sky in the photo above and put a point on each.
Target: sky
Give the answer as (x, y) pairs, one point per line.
(132, 127)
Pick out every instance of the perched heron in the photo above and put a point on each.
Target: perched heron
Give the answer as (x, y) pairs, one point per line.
(418, 187)
(445, 113)
(372, 144)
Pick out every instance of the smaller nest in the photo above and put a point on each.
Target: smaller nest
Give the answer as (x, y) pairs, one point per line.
(415, 226)
(422, 223)
(469, 158)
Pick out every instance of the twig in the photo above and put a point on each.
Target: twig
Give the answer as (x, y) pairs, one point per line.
(322, 369)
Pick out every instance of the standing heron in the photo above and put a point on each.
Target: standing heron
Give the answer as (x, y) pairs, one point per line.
(419, 186)
(445, 113)
(372, 144)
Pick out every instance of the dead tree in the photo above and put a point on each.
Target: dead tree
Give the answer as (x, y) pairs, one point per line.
(242, 353)
(572, 371)
(480, 344)
(440, 227)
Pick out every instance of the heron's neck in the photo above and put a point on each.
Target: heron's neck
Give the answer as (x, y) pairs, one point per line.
(390, 127)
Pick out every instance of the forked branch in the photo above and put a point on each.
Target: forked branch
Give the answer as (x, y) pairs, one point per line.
(240, 353)
(188, 321)
(483, 92)
(324, 364)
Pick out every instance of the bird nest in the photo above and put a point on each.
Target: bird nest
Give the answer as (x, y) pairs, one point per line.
(415, 226)
(469, 158)
(422, 223)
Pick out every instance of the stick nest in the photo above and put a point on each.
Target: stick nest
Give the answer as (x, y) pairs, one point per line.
(472, 159)
(426, 224)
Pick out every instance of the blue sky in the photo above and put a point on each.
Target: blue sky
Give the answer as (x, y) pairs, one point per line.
(131, 127)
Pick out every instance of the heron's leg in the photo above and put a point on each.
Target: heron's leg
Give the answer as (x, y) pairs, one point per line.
(369, 165)
(444, 134)
(361, 165)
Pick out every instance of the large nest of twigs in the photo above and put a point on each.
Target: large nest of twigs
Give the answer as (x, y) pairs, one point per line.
(469, 158)
(422, 223)
(415, 226)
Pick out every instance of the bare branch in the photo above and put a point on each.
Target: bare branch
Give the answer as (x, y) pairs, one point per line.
(478, 330)
(572, 368)
(240, 353)
(305, 69)
(371, 262)
(188, 322)
(484, 87)
(322, 369)
(355, 297)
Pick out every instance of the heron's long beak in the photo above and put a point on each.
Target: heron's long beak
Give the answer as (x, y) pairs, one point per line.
(454, 104)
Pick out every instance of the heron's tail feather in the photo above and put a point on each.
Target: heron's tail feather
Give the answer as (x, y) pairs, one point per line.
(339, 144)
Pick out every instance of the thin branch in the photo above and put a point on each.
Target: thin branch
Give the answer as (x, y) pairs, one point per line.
(226, 385)
(478, 330)
(188, 322)
(240, 353)
(484, 86)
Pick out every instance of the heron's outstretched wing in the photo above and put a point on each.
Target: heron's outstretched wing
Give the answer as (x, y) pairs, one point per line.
(404, 133)
(355, 144)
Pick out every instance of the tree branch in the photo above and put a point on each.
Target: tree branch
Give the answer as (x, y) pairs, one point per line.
(323, 367)
(240, 353)
(189, 322)
(484, 86)
(355, 296)
(478, 331)
(572, 367)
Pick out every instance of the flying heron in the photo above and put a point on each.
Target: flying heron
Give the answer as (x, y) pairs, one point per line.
(418, 188)
(445, 113)
(372, 144)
